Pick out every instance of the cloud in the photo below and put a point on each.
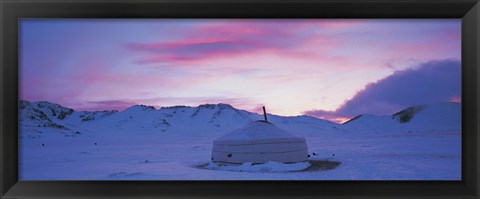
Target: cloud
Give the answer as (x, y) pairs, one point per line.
(232, 38)
(429, 82)
(279, 63)
(191, 49)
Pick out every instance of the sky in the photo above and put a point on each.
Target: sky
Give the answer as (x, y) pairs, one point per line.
(332, 69)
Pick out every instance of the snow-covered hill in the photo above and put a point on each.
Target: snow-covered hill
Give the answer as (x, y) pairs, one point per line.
(145, 143)
(444, 116)
(36, 118)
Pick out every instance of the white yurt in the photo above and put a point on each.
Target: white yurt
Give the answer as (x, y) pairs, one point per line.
(259, 142)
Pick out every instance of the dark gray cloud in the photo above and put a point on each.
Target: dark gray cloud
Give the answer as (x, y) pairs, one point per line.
(430, 82)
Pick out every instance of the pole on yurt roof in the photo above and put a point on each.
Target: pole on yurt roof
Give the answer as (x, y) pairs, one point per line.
(265, 114)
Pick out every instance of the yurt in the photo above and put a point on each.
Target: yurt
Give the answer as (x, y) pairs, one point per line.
(259, 142)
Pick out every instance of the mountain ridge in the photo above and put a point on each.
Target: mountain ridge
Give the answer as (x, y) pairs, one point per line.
(39, 117)
(212, 117)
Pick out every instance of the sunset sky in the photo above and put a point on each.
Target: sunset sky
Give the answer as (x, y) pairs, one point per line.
(330, 69)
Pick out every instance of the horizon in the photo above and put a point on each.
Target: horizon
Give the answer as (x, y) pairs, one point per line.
(158, 107)
(331, 69)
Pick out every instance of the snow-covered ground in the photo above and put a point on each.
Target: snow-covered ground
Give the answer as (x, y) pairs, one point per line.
(144, 143)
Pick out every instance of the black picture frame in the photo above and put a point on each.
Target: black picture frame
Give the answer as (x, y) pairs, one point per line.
(12, 10)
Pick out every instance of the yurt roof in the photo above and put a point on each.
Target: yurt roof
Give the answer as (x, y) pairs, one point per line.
(258, 132)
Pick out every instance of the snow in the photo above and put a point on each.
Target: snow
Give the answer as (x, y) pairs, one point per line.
(258, 131)
(270, 166)
(171, 144)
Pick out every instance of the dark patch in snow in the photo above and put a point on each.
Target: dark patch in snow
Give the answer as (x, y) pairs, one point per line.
(407, 114)
(142, 107)
(175, 107)
(162, 123)
(89, 118)
(320, 165)
(207, 106)
(123, 174)
(315, 165)
(353, 119)
(199, 148)
(64, 113)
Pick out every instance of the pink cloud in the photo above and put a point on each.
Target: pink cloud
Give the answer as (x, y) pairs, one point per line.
(161, 46)
(93, 78)
(192, 50)
(230, 30)
(337, 24)
(220, 40)
(214, 56)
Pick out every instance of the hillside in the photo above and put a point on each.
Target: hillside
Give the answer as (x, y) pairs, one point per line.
(38, 118)
(170, 143)
(436, 116)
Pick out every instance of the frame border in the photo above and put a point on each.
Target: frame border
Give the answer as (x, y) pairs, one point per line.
(12, 10)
